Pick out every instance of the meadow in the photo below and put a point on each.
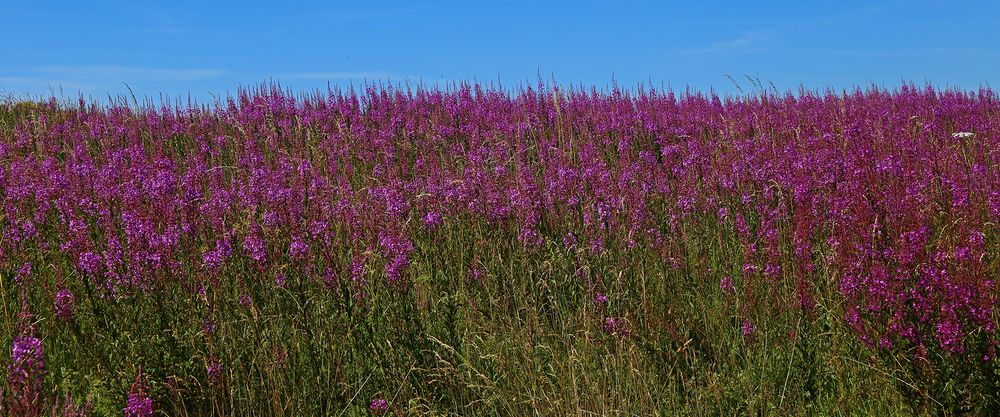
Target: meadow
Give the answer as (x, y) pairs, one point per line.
(472, 250)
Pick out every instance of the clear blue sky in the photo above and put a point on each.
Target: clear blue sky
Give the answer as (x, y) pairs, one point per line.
(213, 47)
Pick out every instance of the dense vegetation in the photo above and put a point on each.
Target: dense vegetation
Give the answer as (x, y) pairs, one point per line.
(474, 251)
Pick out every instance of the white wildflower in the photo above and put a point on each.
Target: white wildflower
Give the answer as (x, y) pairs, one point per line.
(962, 135)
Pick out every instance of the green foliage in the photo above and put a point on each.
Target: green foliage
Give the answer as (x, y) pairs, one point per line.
(527, 335)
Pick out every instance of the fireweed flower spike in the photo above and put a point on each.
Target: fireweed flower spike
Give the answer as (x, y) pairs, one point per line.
(255, 247)
(65, 302)
(747, 329)
(378, 406)
(600, 300)
(138, 404)
(27, 368)
(23, 274)
(208, 327)
(615, 326)
(726, 285)
(245, 300)
(298, 249)
(214, 370)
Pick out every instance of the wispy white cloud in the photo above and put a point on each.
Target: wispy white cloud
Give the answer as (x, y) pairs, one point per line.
(151, 20)
(96, 79)
(746, 43)
(356, 14)
(17, 86)
(163, 22)
(781, 34)
(958, 52)
(21, 82)
(341, 75)
(125, 73)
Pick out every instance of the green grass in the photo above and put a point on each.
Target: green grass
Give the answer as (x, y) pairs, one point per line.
(527, 338)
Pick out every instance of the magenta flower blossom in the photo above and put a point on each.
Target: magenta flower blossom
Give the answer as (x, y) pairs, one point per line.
(378, 406)
(570, 241)
(432, 220)
(330, 279)
(747, 329)
(245, 300)
(255, 247)
(475, 272)
(214, 370)
(600, 300)
(208, 327)
(23, 274)
(298, 249)
(27, 365)
(726, 285)
(615, 326)
(138, 404)
(531, 238)
(90, 263)
(215, 257)
(65, 302)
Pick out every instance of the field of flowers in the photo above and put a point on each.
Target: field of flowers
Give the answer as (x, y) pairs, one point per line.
(472, 250)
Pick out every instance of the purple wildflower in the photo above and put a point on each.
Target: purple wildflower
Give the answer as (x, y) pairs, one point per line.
(747, 328)
(475, 272)
(726, 285)
(64, 304)
(90, 263)
(208, 327)
(27, 364)
(255, 247)
(215, 257)
(570, 241)
(600, 300)
(23, 274)
(329, 279)
(378, 406)
(214, 370)
(615, 326)
(530, 237)
(298, 249)
(358, 281)
(139, 404)
(433, 220)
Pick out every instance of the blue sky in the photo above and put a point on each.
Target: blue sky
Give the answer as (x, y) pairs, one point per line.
(206, 48)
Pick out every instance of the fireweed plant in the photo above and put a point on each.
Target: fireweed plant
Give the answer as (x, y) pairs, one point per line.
(471, 250)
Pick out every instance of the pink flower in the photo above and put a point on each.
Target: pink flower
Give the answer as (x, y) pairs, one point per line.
(378, 406)
(726, 285)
